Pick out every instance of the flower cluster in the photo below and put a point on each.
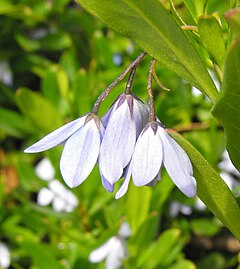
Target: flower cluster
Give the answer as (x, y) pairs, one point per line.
(128, 141)
(124, 143)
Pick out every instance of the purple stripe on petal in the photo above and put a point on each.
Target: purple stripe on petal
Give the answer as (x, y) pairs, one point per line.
(57, 137)
(80, 154)
(107, 185)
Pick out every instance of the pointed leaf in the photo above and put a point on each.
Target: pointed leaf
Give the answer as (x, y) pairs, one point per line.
(227, 106)
(152, 28)
(212, 36)
(211, 188)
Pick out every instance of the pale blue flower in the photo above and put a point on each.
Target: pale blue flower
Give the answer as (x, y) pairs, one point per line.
(153, 149)
(82, 138)
(123, 122)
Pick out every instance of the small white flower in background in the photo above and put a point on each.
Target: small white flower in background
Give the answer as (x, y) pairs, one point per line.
(6, 75)
(114, 250)
(176, 208)
(5, 259)
(62, 199)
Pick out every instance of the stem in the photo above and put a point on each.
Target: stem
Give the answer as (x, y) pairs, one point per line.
(115, 82)
(150, 93)
(128, 89)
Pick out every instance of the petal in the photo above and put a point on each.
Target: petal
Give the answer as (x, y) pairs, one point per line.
(80, 154)
(154, 181)
(124, 186)
(140, 115)
(45, 197)
(108, 186)
(125, 230)
(59, 204)
(147, 157)
(101, 253)
(117, 144)
(178, 165)
(45, 170)
(56, 137)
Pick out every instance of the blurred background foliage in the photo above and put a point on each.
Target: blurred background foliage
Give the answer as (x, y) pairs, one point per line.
(55, 59)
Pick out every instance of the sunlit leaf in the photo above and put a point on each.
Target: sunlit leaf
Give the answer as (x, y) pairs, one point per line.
(152, 28)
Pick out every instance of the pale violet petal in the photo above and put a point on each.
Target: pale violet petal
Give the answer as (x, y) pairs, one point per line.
(56, 137)
(80, 154)
(140, 115)
(45, 170)
(5, 259)
(147, 157)
(45, 197)
(106, 184)
(125, 230)
(177, 164)
(124, 186)
(101, 253)
(155, 180)
(117, 144)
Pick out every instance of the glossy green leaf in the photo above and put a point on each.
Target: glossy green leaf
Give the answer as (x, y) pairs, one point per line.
(212, 37)
(227, 107)
(152, 28)
(41, 113)
(211, 188)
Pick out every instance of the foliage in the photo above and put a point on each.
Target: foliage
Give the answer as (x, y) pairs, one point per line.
(61, 59)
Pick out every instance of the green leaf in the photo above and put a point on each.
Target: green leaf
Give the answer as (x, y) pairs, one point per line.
(12, 123)
(196, 7)
(41, 113)
(153, 29)
(137, 212)
(161, 252)
(183, 264)
(41, 255)
(212, 36)
(205, 227)
(227, 106)
(211, 188)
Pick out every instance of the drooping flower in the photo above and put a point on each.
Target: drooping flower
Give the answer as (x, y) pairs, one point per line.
(5, 259)
(155, 148)
(114, 250)
(123, 122)
(82, 138)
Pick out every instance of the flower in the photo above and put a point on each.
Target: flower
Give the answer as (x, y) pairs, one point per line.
(82, 138)
(4, 256)
(123, 122)
(114, 250)
(155, 147)
(62, 199)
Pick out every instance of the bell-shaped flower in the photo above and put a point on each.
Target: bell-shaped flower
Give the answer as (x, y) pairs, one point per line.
(123, 122)
(82, 138)
(155, 147)
(114, 250)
